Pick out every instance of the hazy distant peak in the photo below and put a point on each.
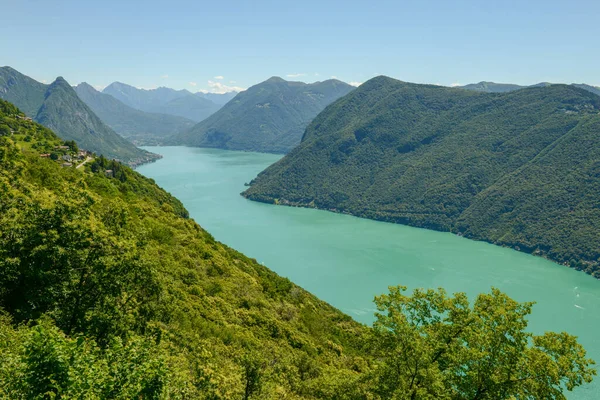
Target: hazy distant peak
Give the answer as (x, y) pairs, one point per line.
(59, 82)
(86, 86)
(275, 79)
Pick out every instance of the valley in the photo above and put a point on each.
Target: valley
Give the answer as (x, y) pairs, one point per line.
(346, 260)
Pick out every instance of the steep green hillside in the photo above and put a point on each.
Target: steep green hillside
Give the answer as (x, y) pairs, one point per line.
(26, 93)
(140, 127)
(113, 257)
(163, 100)
(268, 117)
(515, 169)
(109, 291)
(58, 107)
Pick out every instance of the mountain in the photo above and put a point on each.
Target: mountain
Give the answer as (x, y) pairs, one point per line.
(138, 126)
(589, 88)
(518, 169)
(186, 313)
(163, 100)
(58, 107)
(492, 87)
(268, 117)
(218, 98)
(26, 93)
(108, 290)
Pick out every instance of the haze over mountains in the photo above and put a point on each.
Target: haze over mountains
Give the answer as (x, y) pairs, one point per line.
(182, 103)
(58, 107)
(140, 127)
(492, 87)
(268, 117)
(518, 168)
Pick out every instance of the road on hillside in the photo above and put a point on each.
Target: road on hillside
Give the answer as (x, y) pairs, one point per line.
(86, 160)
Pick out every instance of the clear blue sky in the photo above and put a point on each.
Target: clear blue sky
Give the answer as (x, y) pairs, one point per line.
(179, 43)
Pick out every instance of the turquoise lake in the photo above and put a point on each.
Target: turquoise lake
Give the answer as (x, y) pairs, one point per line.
(346, 261)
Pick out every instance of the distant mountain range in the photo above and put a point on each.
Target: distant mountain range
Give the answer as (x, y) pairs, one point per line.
(140, 127)
(218, 98)
(519, 168)
(59, 108)
(182, 103)
(268, 117)
(492, 87)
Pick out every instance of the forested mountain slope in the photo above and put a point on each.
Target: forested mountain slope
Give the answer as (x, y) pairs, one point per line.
(268, 117)
(140, 127)
(112, 257)
(517, 169)
(109, 291)
(58, 107)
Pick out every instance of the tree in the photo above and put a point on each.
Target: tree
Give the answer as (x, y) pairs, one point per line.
(72, 145)
(4, 130)
(434, 346)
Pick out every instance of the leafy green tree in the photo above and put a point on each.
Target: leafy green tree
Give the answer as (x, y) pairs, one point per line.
(435, 346)
(4, 130)
(56, 258)
(72, 145)
(41, 362)
(252, 375)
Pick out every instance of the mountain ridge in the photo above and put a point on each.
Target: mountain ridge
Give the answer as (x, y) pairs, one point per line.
(163, 100)
(138, 126)
(58, 107)
(423, 155)
(268, 117)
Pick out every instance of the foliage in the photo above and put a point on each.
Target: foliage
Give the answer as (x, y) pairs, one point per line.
(114, 257)
(269, 117)
(41, 362)
(435, 346)
(517, 169)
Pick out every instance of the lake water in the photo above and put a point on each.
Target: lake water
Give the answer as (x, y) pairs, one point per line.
(346, 261)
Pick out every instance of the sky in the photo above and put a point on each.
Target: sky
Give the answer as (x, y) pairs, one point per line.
(226, 45)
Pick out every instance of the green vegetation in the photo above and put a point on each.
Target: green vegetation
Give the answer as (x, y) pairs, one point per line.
(162, 100)
(141, 128)
(438, 347)
(517, 169)
(269, 117)
(109, 291)
(58, 107)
